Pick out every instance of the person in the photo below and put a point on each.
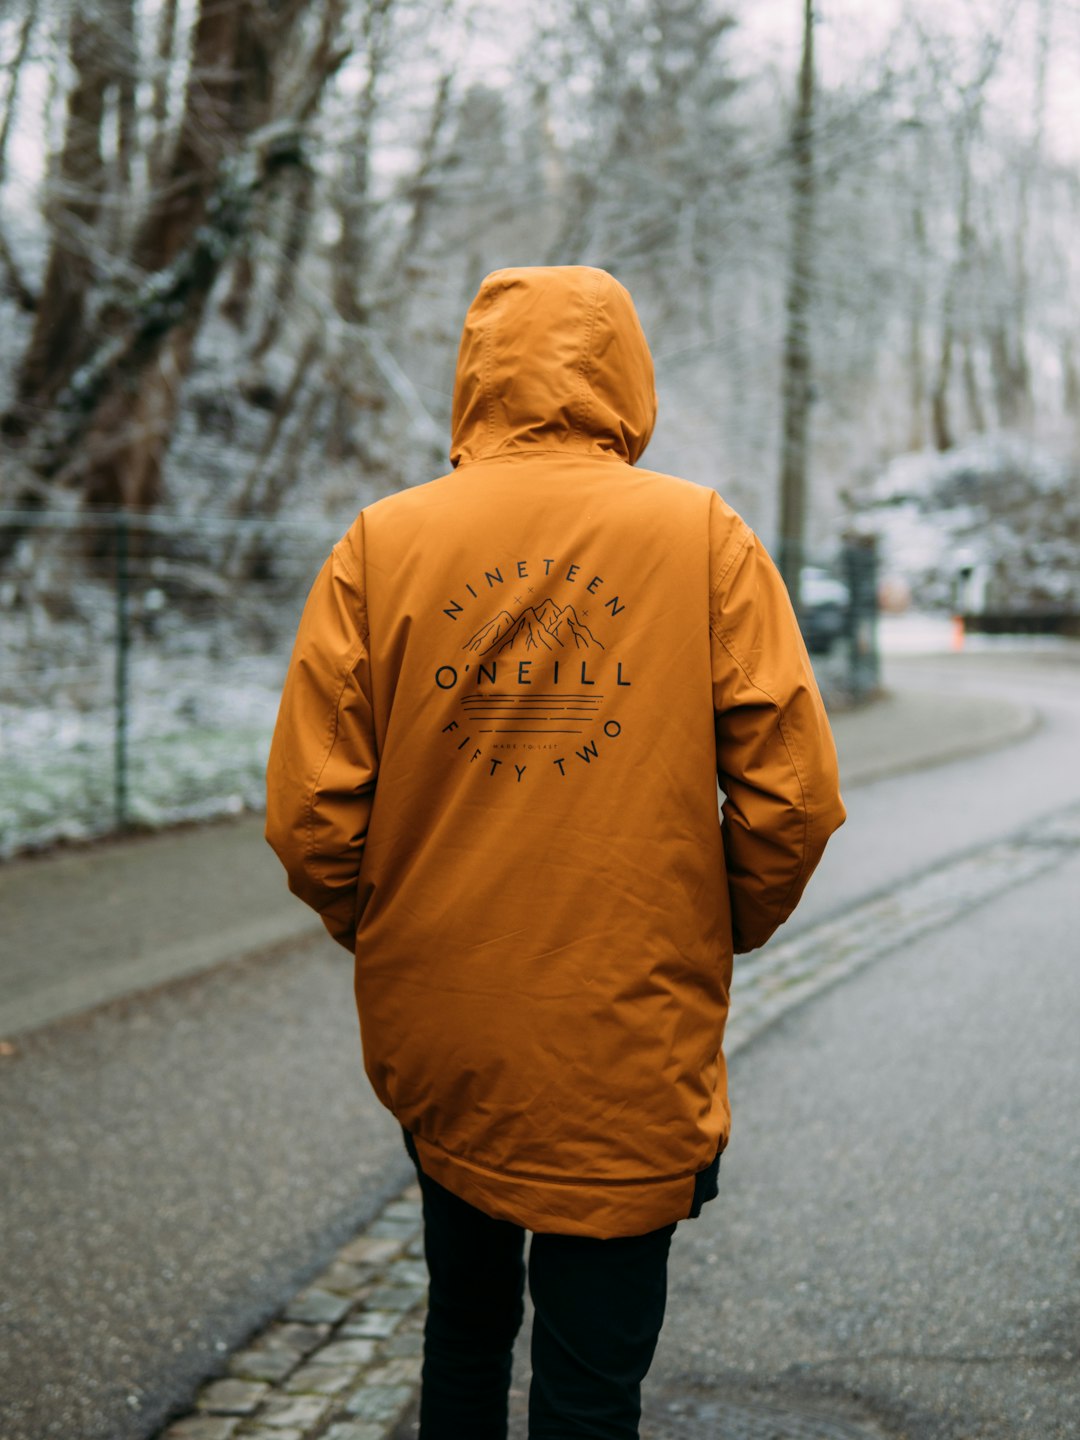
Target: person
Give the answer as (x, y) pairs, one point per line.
(495, 776)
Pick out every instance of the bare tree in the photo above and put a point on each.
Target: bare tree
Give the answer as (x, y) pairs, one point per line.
(101, 379)
(966, 100)
(796, 363)
(12, 275)
(352, 255)
(652, 175)
(323, 169)
(1008, 339)
(58, 342)
(159, 105)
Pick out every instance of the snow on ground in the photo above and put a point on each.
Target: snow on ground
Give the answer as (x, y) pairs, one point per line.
(934, 633)
(198, 735)
(994, 523)
(205, 670)
(915, 634)
(200, 727)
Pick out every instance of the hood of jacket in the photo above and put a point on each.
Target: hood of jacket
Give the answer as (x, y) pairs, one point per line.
(552, 358)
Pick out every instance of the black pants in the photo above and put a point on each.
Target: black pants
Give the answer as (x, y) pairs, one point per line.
(599, 1307)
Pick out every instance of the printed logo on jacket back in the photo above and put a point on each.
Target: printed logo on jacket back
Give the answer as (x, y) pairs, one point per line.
(536, 684)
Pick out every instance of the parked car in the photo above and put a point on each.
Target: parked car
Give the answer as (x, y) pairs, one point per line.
(825, 603)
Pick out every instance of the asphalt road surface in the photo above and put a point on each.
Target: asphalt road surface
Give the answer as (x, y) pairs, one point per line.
(176, 1165)
(896, 1240)
(894, 1251)
(906, 824)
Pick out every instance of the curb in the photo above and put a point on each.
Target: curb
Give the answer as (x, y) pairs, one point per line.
(1024, 721)
(341, 1361)
(79, 994)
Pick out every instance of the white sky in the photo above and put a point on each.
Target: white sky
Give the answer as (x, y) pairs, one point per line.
(849, 35)
(851, 32)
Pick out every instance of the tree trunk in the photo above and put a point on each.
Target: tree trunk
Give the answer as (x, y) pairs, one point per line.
(126, 72)
(1016, 398)
(352, 254)
(331, 51)
(236, 306)
(194, 221)
(111, 426)
(976, 413)
(10, 273)
(159, 103)
(916, 357)
(957, 300)
(940, 415)
(294, 243)
(423, 190)
(58, 342)
(211, 128)
(796, 372)
(1008, 387)
(1071, 378)
(246, 503)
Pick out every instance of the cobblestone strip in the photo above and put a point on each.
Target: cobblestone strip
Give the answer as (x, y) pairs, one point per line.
(342, 1360)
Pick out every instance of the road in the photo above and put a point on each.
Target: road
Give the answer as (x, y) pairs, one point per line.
(177, 1165)
(910, 823)
(894, 1250)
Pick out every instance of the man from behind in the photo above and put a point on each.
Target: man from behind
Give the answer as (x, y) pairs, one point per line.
(494, 775)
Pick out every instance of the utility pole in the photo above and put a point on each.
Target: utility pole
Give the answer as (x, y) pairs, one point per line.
(796, 365)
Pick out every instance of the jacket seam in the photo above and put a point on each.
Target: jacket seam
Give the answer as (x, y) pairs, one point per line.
(583, 389)
(528, 452)
(353, 657)
(743, 544)
(341, 551)
(487, 343)
(792, 748)
(725, 641)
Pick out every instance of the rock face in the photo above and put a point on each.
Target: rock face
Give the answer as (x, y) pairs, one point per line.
(546, 626)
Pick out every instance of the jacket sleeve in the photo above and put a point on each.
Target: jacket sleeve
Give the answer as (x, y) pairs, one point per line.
(775, 756)
(320, 777)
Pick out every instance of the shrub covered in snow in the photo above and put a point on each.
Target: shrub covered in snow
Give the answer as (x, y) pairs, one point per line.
(997, 510)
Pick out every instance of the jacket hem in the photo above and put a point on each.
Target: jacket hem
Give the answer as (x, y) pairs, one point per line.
(581, 1207)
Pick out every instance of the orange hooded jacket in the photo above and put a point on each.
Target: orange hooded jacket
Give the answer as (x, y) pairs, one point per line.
(494, 774)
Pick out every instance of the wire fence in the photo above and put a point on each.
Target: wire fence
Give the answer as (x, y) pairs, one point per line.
(141, 660)
(142, 657)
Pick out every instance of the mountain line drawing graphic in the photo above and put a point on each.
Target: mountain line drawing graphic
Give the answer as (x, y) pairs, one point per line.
(545, 626)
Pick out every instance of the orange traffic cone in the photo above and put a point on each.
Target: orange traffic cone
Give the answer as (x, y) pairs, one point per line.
(958, 633)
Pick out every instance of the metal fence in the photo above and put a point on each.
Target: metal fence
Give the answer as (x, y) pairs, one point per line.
(141, 661)
(839, 618)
